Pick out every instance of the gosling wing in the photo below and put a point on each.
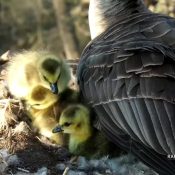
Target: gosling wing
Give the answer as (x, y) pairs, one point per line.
(128, 75)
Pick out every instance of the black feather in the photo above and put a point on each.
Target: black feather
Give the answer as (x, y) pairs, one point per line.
(128, 75)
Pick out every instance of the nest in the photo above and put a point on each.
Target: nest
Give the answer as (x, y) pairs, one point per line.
(23, 151)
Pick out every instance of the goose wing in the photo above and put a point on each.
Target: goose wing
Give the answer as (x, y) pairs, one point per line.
(127, 75)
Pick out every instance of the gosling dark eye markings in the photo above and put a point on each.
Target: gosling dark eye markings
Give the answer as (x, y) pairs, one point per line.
(71, 112)
(79, 125)
(39, 94)
(36, 104)
(50, 65)
(67, 124)
(45, 78)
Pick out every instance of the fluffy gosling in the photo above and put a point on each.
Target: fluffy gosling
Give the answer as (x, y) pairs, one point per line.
(84, 139)
(41, 98)
(44, 109)
(32, 68)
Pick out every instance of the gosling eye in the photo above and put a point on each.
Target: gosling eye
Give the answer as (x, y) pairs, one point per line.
(45, 79)
(67, 124)
(36, 104)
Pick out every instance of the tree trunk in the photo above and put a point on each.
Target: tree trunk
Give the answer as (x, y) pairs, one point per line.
(65, 27)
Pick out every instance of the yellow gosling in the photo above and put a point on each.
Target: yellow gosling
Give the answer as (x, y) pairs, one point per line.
(44, 109)
(41, 98)
(44, 120)
(32, 68)
(84, 139)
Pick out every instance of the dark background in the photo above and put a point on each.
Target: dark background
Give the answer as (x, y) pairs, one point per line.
(60, 26)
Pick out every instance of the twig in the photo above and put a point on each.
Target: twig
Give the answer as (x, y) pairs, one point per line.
(5, 56)
(11, 173)
(66, 171)
(5, 104)
(23, 170)
(9, 100)
(68, 168)
(47, 142)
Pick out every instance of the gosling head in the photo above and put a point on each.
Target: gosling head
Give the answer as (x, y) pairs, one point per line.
(41, 98)
(74, 119)
(55, 72)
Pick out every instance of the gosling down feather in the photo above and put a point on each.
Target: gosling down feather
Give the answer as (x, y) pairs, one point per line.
(84, 139)
(40, 98)
(127, 74)
(32, 68)
(44, 109)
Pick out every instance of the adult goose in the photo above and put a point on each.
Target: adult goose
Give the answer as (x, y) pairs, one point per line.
(127, 74)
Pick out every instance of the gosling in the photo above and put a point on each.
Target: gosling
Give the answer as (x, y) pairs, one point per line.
(44, 109)
(32, 68)
(40, 98)
(84, 139)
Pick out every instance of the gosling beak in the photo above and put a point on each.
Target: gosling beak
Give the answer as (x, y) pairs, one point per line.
(54, 88)
(57, 129)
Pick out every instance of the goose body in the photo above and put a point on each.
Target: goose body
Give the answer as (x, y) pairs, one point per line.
(126, 74)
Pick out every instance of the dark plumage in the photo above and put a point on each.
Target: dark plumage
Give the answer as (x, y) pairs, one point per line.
(127, 74)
